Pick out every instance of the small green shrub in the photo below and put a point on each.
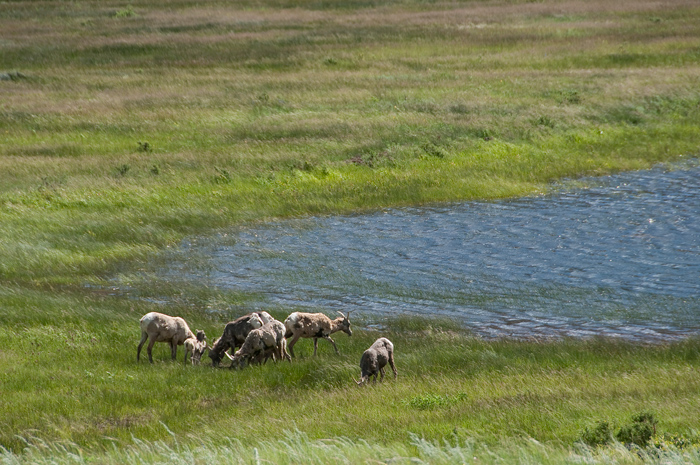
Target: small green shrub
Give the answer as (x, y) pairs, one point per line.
(484, 133)
(545, 121)
(640, 432)
(122, 170)
(222, 176)
(434, 150)
(126, 12)
(459, 109)
(599, 435)
(571, 96)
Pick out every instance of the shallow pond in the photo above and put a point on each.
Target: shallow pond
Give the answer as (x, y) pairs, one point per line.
(619, 257)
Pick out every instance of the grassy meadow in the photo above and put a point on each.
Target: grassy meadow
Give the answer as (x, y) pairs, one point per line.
(126, 126)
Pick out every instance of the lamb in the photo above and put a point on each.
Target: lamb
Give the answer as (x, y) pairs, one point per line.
(375, 359)
(158, 327)
(262, 343)
(235, 334)
(315, 325)
(196, 346)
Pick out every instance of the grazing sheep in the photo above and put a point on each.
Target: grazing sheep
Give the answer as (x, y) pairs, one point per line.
(158, 327)
(275, 348)
(315, 325)
(235, 334)
(261, 344)
(196, 346)
(375, 359)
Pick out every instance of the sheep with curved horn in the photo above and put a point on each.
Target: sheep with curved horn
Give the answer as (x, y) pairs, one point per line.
(315, 325)
(235, 333)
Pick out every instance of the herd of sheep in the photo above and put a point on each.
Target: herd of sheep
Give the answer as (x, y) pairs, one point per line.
(258, 337)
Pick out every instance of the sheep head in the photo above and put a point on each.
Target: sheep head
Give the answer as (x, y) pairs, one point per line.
(199, 351)
(363, 380)
(344, 325)
(238, 358)
(216, 351)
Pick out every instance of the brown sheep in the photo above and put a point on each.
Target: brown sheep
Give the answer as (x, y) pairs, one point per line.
(375, 359)
(315, 325)
(235, 333)
(261, 344)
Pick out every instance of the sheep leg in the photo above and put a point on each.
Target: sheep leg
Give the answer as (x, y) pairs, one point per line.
(173, 349)
(315, 345)
(144, 336)
(151, 343)
(292, 342)
(282, 351)
(328, 338)
(381, 372)
(393, 367)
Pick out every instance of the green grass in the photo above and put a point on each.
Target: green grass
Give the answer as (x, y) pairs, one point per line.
(127, 126)
(71, 375)
(281, 109)
(297, 447)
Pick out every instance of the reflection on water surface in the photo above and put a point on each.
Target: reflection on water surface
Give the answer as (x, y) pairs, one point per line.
(619, 258)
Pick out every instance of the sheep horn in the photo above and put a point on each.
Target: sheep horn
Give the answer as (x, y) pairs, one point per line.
(228, 355)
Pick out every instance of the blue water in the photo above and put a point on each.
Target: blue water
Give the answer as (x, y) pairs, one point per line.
(620, 257)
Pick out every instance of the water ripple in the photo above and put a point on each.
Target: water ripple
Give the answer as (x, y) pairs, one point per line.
(619, 258)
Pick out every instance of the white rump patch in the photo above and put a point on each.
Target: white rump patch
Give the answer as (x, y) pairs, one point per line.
(291, 321)
(147, 319)
(255, 321)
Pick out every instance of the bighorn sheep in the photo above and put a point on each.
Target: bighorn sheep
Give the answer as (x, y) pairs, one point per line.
(375, 359)
(158, 327)
(315, 325)
(261, 343)
(235, 334)
(196, 346)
